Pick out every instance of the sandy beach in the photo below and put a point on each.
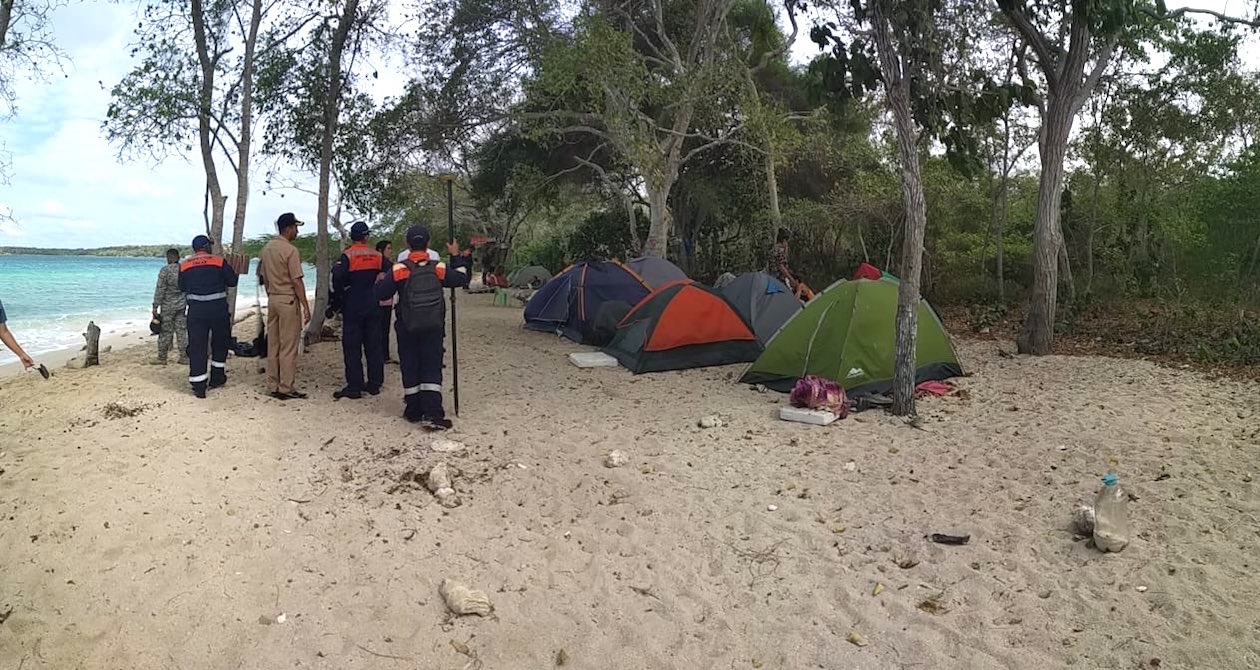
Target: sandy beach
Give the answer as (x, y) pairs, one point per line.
(176, 537)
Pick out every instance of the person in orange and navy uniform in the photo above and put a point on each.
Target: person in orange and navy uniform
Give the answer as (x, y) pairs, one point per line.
(204, 279)
(420, 322)
(353, 277)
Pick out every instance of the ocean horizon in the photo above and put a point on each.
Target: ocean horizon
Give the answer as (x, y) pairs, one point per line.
(49, 300)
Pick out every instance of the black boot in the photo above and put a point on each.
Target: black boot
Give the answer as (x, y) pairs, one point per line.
(347, 393)
(432, 424)
(412, 410)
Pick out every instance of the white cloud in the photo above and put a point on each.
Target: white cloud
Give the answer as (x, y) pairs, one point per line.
(67, 186)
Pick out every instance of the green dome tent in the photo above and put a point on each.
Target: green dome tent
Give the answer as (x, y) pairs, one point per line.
(847, 334)
(533, 275)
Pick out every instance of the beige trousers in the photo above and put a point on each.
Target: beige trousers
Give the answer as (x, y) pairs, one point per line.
(284, 327)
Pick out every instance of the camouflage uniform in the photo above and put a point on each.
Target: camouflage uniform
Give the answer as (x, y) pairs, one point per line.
(170, 300)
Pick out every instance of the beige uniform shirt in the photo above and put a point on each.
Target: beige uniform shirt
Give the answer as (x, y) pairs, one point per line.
(279, 266)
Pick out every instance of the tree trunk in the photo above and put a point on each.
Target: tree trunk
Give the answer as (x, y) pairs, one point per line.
(1141, 246)
(205, 96)
(205, 209)
(1068, 89)
(658, 234)
(999, 251)
(323, 275)
(994, 206)
(1036, 337)
(243, 140)
(343, 233)
(1089, 237)
(892, 240)
(1006, 208)
(897, 86)
(1255, 258)
(6, 17)
(631, 219)
(665, 176)
(772, 191)
(1065, 268)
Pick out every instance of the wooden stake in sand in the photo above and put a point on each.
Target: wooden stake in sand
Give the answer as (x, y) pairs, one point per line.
(93, 337)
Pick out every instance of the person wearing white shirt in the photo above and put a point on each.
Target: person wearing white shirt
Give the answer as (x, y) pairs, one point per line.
(433, 255)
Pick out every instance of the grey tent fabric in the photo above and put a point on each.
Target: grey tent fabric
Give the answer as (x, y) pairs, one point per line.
(534, 275)
(723, 280)
(656, 271)
(607, 318)
(763, 300)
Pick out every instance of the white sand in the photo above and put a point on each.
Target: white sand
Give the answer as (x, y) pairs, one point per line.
(162, 541)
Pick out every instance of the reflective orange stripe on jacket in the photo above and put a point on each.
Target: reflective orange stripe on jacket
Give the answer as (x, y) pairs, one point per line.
(363, 258)
(402, 272)
(201, 259)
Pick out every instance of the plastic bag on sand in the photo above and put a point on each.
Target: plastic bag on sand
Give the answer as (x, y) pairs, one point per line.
(812, 392)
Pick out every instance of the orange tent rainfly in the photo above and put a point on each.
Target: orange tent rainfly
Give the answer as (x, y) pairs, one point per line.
(682, 325)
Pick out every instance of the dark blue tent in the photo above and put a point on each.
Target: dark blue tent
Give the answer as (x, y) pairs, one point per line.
(569, 302)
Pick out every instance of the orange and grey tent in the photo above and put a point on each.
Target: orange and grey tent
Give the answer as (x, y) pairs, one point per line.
(682, 325)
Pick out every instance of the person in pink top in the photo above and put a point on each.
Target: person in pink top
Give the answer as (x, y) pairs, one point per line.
(386, 249)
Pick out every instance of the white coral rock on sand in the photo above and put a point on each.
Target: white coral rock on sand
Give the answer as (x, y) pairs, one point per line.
(447, 446)
(711, 421)
(462, 600)
(1083, 519)
(447, 497)
(616, 458)
(439, 478)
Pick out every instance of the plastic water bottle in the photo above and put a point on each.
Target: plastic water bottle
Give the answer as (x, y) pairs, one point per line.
(1111, 515)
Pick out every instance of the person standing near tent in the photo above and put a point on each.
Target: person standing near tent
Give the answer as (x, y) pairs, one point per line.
(489, 263)
(280, 273)
(169, 305)
(11, 342)
(421, 322)
(204, 278)
(777, 266)
(355, 275)
(386, 307)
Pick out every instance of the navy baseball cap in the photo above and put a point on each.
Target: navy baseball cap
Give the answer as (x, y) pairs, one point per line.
(359, 230)
(202, 242)
(418, 237)
(287, 219)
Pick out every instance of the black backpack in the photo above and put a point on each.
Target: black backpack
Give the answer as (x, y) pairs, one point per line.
(421, 307)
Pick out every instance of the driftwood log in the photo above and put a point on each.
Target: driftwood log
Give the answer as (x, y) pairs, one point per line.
(93, 337)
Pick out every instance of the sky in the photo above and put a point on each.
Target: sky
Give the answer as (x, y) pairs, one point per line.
(67, 187)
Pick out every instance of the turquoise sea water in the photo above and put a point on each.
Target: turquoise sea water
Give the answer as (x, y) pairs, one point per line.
(50, 299)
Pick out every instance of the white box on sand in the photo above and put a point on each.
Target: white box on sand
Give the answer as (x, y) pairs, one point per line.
(817, 417)
(592, 359)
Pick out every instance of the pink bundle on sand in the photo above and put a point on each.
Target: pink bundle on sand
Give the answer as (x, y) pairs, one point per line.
(812, 392)
(934, 387)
